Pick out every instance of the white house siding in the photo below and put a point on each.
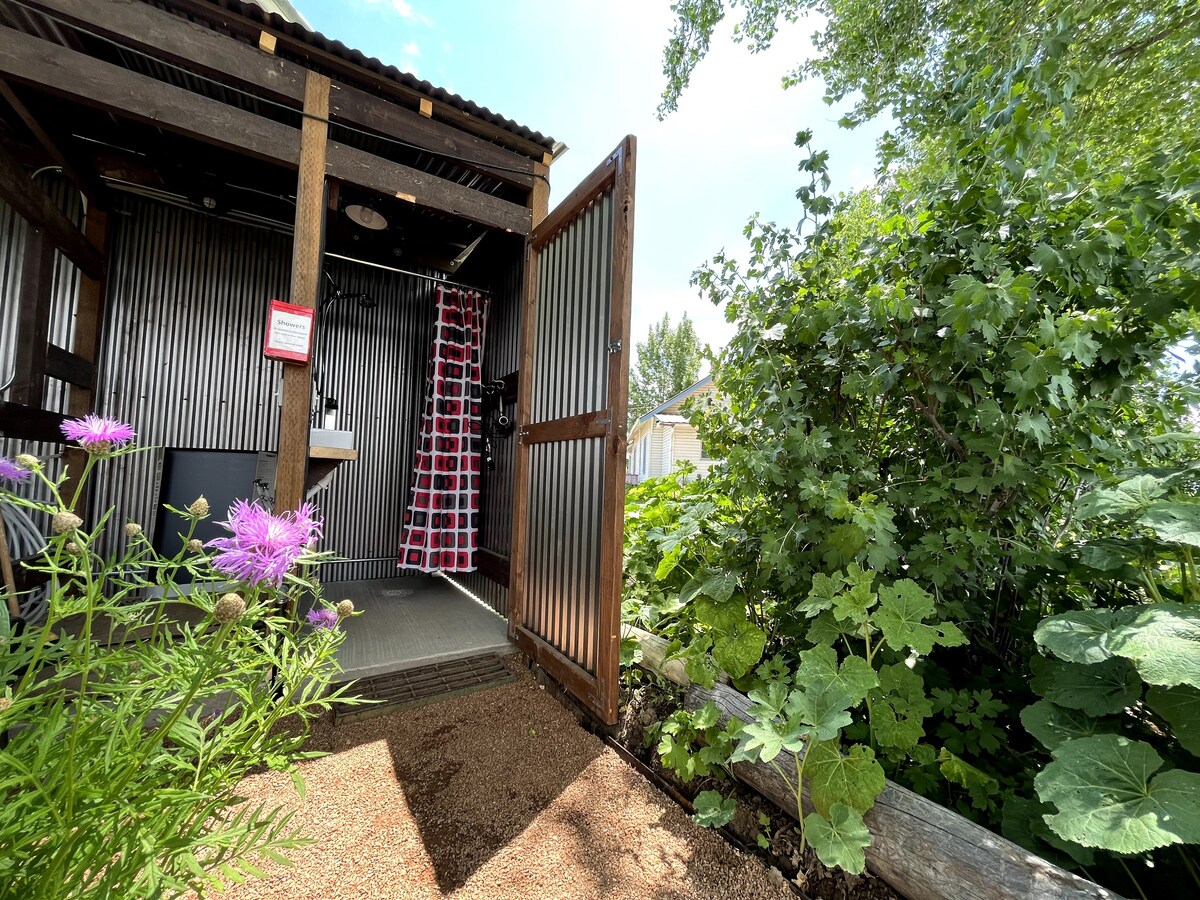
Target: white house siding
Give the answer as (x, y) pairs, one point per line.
(687, 446)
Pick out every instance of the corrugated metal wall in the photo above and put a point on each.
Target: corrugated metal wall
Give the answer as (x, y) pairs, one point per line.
(182, 360)
(13, 230)
(502, 356)
(566, 490)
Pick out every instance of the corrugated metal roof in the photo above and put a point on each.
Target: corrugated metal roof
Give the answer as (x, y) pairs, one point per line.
(319, 41)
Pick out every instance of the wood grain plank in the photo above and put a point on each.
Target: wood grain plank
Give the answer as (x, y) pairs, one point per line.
(308, 242)
(612, 522)
(69, 367)
(33, 319)
(572, 428)
(34, 205)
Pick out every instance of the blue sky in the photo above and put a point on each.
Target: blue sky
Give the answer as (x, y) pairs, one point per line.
(587, 73)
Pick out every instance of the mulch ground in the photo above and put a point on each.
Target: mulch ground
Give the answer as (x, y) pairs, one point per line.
(497, 794)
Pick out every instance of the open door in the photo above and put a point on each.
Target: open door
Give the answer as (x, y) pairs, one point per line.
(569, 495)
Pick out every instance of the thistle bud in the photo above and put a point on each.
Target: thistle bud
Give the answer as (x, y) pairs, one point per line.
(199, 508)
(195, 545)
(229, 608)
(132, 529)
(345, 609)
(65, 521)
(73, 548)
(29, 461)
(5, 703)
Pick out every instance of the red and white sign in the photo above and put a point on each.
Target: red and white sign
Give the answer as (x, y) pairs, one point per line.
(289, 332)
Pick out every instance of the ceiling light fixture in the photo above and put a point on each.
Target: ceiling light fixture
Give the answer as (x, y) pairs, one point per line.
(365, 217)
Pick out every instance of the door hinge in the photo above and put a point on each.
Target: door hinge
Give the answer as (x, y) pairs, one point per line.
(614, 347)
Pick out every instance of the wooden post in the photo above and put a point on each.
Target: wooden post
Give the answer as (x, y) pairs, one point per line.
(89, 329)
(33, 319)
(307, 249)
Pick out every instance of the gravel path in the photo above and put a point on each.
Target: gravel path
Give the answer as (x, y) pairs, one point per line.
(497, 794)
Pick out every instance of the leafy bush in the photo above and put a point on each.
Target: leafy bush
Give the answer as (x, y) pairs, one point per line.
(924, 378)
(134, 710)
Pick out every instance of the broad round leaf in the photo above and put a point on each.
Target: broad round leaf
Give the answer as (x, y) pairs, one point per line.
(1106, 796)
(1180, 706)
(820, 666)
(713, 810)
(1105, 687)
(1053, 725)
(853, 778)
(839, 840)
(1174, 521)
(1079, 636)
(1163, 640)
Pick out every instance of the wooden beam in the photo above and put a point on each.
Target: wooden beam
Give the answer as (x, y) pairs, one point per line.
(88, 184)
(307, 249)
(922, 849)
(35, 206)
(66, 73)
(349, 104)
(349, 72)
(178, 40)
(69, 367)
(492, 565)
(89, 331)
(539, 197)
(394, 180)
(163, 35)
(29, 423)
(572, 428)
(33, 320)
(612, 515)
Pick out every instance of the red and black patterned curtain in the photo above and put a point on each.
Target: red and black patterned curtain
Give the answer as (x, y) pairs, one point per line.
(441, 524)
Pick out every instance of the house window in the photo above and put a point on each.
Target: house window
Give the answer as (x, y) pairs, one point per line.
(644, 452)
(704, 452)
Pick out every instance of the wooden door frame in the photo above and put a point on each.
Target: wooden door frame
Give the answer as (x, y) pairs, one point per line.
(617, 173)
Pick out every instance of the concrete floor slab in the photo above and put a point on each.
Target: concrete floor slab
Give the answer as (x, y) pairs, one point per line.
(413, 621)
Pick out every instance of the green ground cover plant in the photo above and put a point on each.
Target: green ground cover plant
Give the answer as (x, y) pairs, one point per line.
(129, 718)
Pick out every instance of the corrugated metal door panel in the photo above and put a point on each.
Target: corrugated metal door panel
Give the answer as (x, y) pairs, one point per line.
(568, 499)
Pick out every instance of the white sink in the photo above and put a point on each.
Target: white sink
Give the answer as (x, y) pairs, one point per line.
(325, 437)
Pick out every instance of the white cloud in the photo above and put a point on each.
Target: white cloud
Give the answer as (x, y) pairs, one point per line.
(411, 49)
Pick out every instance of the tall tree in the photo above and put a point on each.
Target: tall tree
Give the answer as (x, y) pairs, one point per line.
(667, 362)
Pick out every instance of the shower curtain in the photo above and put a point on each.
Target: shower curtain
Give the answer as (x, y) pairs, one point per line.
(441, 523)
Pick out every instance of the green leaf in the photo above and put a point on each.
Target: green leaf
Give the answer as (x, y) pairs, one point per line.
(1108, 554)
(759, 741)
(700, 668)
(1023, 823)
(712, 810)
(1052, 725)
(1163, 641)
(903, 608)
(706, 716)
(821, 595)
(1106, 796)
(1174, 521)
(899, 707)
(724, 617)
(720, 587)
(1180, 706)
(1127, 496)
(1079, 636)
(1100, 688)
(854, 778)
(741, 652)
(979, 784)
(839, 841)
(818, 712)
(854, 676)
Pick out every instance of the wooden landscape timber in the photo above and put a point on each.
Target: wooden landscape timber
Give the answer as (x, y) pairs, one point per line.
(920, 848)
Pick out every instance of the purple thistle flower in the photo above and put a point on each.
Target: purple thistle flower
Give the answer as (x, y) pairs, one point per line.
(263, 547)
(98, 434)
(11, 470)
(323, 618)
